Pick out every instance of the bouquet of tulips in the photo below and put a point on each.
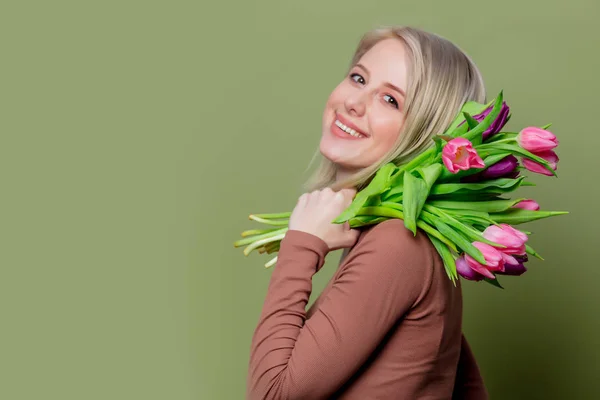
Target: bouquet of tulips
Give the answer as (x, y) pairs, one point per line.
(452, 192)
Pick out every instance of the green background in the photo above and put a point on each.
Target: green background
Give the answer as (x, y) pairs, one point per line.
(138, 136)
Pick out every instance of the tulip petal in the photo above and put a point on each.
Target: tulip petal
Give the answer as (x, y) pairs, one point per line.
(464, 270)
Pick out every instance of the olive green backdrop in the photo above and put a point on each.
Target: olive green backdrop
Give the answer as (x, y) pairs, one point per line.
(138, 136)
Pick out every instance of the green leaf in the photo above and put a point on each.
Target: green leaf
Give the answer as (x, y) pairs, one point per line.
(493, 186)
(470, 107)
(378, 184)
(493, 206)
(468, 196)
(472, 122)
(373, 201)
(466, 230)
(430, 174)
(365, 220)
(394, 196)
(447, 258)
(546, 126)
(394, 210)
(493, 282)
(439, 143)
(487, 121)
(457, 239)
(396, 190)
(415, 194)
(465, 213)
(532, 252)
(416, 190)
(501, 136)
(517, 216)
(475, 220)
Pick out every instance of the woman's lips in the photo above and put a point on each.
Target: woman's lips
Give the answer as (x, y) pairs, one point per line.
(349, 124)
(339, 132)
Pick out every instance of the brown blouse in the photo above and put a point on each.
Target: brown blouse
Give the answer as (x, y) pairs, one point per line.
(387, 326)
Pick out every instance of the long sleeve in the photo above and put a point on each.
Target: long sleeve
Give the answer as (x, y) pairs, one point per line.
(295, 358)
(469, 383)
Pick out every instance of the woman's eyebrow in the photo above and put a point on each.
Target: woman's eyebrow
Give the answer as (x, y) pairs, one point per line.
(388, 84)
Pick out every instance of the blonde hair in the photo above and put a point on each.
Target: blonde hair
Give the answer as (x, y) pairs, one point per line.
(441, 79)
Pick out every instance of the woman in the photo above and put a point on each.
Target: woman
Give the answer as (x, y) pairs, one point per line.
(388, 324)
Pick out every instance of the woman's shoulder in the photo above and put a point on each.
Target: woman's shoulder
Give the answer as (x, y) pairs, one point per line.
(411, 259)
(390, 245)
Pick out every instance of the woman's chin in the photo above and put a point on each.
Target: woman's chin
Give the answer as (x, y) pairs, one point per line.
(342, 162)
(345, 158)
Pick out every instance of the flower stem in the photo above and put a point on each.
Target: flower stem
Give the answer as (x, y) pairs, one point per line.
(255, 238)
(274, 215)
(279, 222)
(259, 243)
(394, 213)
(271, 263)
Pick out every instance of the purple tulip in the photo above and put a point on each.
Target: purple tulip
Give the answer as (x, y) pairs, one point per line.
(503, 167)
(521, 257)
(464, 270)
(513, 269)
(497, 124)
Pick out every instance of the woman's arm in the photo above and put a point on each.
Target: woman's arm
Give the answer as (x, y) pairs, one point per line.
(469, 383)
(295, 358)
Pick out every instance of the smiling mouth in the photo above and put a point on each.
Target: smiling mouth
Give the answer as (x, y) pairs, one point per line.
(348, 130)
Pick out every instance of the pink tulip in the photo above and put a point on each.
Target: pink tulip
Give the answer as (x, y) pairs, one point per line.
(536, 139)
(506, 235)
(538, 168)
(459, 154)
(493, 259)
(464, 270)
(527, 205)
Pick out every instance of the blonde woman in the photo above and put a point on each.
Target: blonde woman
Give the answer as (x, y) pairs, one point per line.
(389, 323)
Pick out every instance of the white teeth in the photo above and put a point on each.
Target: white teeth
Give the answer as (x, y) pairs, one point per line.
(348, 130)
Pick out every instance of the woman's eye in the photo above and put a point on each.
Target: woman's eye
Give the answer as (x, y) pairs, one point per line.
(392, 101)
(357, 78)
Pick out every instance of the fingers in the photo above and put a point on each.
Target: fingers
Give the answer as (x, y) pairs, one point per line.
(348, 194)
(303, 199)
(344, 196)
(353, 235)
(348, 191)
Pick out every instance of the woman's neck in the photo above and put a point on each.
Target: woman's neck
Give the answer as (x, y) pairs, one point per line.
(343, 174)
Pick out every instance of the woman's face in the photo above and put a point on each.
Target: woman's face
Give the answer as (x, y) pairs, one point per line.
(370, 101)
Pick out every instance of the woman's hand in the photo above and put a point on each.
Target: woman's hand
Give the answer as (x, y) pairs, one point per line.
(315, 211)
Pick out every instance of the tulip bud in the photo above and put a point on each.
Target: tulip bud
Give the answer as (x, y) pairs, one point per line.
(538, 168)
(513, 269)
(535, 139)
(506, 235)
(497, 124)
(493, 259)
(464, 270)
(503, 167)
(527, 205)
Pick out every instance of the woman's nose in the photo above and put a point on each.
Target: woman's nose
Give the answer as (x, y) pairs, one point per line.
(355, 104)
